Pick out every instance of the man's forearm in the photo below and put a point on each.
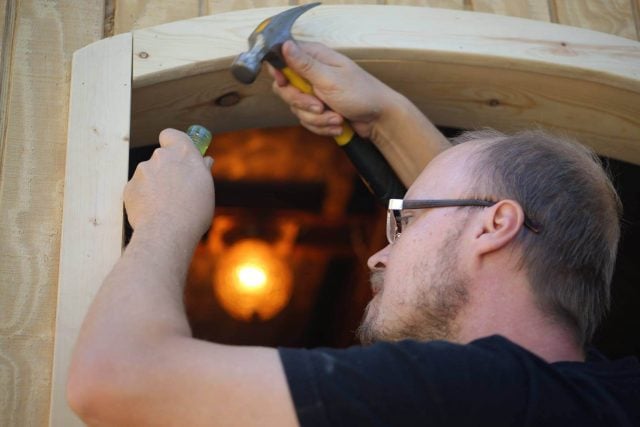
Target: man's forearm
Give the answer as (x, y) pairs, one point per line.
(142, 296)
(136, 313)
(407, 138)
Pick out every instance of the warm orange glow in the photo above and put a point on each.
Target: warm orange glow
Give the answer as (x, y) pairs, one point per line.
(251, 281)
(251, 277)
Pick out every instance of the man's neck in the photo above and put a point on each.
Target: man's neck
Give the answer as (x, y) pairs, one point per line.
(515, 316)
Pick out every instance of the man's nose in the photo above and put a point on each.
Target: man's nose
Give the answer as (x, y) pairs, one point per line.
(378, 261)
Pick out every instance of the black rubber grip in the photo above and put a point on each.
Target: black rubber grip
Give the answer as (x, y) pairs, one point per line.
(374, 170)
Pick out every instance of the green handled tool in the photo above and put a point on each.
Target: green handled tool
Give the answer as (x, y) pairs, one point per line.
(200, 136)
(265, 43)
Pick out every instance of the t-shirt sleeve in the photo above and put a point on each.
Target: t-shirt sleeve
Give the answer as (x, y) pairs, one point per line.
(408, 383)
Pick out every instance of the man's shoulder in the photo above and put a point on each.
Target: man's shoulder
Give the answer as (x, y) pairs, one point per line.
(490, 379)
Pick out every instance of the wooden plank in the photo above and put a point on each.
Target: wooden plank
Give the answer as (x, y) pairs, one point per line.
(635, 5)
(613, 16)
(7, 37)
(220, 6)
(39, 40)
(463, 68)
(135, 14)
(445, 4)
(530, 9)
(96, 172)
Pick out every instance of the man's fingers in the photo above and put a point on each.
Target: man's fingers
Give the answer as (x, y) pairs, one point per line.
(280, 79)
(321, 53)
(326, 119)
(297, 99)
(303, 63)
(208, 162)
(330, 131)
(170, 138)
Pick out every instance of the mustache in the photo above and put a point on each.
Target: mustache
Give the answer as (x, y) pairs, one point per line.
(376, 278)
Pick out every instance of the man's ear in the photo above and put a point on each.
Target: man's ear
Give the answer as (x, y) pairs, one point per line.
(499, 226)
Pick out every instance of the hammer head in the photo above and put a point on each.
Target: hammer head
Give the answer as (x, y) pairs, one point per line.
(265, 43)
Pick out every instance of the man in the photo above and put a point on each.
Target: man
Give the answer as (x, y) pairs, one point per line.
(497, 271)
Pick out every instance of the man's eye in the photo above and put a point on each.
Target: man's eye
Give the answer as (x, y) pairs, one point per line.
(404, 221)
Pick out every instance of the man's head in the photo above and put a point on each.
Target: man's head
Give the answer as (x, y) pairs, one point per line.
(559, 185)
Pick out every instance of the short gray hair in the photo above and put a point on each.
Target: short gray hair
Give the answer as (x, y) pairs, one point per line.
(562, 186)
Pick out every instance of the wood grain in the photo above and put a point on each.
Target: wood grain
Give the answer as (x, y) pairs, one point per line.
(133, 14)
(635, 5)
(220, 6)
(96, 172)
(462, 68)
(530, 9)
(31, 183)
(613, 16)
(445, 4)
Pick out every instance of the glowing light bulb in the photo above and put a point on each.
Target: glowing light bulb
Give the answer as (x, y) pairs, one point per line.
(251, 277)
(251, 282)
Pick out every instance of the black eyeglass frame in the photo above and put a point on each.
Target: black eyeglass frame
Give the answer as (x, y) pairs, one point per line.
(396, 206)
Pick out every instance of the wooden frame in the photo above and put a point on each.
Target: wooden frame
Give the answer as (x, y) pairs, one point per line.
(462, 69)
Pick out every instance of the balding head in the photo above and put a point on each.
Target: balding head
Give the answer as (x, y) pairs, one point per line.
(561, 186)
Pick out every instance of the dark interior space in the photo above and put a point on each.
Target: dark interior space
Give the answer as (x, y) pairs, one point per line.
(297, 195)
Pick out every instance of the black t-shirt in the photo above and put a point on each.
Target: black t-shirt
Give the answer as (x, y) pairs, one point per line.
(489, 382)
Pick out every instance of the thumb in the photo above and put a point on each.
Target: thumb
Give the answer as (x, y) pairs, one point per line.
(302, 63)
(208, 162)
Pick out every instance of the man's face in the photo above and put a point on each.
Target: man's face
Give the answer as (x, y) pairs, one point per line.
(419, 283)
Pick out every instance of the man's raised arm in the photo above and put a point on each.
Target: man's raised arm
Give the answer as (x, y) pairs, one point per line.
(399, 130)
(135, 362)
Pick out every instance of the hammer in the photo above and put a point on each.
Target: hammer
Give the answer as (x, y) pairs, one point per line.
(265, 43)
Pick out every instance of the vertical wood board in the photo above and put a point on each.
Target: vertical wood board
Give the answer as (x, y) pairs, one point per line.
(530, 9)
(635, 6)
(611, 16)
(96, 172)
(220, 6)
(133, 14)
(444, 4)
(39, 38)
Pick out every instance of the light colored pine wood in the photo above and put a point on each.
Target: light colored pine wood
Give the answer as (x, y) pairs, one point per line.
(530, 9)
(612, 16)
(462, 68)
(220, 6)
(41, 37)
(445, 4)
(329, 2)
(635, 6)
(96, 172)
(134, 14)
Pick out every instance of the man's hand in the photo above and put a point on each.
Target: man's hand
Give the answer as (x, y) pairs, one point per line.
(406, 138)
(173, 190)
(135, 362)
(337, 82)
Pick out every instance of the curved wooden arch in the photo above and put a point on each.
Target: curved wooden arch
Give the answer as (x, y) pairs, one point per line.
(462, 69)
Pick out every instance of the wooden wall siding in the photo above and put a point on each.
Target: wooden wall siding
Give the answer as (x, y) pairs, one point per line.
(38, 38)
(530, 9)
(133, 14)
(619, 17)
(611, 16)
(41, 37)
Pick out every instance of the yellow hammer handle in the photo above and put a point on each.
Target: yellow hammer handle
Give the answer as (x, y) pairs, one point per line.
(302, 85)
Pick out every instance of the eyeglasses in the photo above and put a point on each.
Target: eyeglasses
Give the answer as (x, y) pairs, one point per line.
(395, 218)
